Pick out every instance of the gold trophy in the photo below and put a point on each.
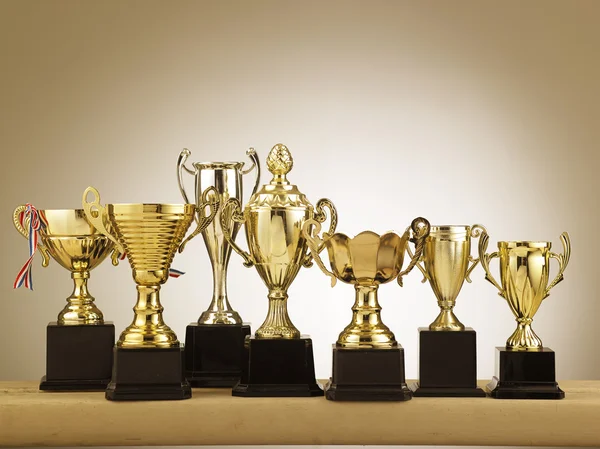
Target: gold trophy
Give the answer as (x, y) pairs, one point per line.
(525, 368)
(278, 361)
(79, 343)
(213, 345)
(368, 362)
(148, 357)
(448, 351)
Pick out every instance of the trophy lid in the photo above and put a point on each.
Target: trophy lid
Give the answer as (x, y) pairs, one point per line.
(279, 193)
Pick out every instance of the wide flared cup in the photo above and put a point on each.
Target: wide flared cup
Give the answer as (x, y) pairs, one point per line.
(79, 247)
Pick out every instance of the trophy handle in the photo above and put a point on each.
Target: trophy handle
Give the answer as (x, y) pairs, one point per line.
(210, 199)
(255, 165)
(316, 245)
(420, 231)
(320, 216)
(25, 233)
(185, 153)
(476, 231)
(485, 261)
(232, 211)
(563, 261)
(418, 265)
(95, 213)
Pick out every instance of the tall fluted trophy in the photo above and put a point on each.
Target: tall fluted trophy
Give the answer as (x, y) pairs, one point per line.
(525, 369)
(79, 343)
(214, 344)
(148, 358)
(368, 362)
(448, 350)
(278, 360)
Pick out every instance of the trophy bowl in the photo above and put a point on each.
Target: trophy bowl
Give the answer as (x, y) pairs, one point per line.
(75, 244)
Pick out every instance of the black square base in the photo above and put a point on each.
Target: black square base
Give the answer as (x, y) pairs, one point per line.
(525, 375)
(277, 368)
(447, 364)
(78, 357)
(148, 374)
(368, 375)
(213, 354)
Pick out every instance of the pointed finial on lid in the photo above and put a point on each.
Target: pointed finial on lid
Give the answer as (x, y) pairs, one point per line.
(279, 160)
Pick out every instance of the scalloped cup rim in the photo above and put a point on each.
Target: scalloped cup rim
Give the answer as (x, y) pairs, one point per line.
(524, 243)
(341, 234)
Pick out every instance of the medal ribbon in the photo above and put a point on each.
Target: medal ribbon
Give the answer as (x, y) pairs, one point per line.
(36, 221)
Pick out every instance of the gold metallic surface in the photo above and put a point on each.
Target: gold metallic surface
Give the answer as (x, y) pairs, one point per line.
(273, 221)
(77, 246)
(150, 235)
(446, 257)
(366, 261)
(524, 274)
(226, 178)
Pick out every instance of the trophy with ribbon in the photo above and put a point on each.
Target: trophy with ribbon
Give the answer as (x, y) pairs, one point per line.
(148, 358)
(368, 362)
(214, 344)
(79, 343)
(278, 360)
(525, 368)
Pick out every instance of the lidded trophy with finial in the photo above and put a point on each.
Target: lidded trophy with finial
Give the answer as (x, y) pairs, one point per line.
(273, 220)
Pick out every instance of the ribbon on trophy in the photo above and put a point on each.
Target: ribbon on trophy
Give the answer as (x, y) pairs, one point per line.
(36, 221)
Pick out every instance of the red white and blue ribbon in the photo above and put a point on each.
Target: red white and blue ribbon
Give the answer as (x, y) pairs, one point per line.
(36, 222)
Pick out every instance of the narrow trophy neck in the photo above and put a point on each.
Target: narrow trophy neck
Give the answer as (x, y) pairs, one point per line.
(219, 311)
(524, 338)
(278, 323)
(80, 308)
(148, 328)
(446, 320)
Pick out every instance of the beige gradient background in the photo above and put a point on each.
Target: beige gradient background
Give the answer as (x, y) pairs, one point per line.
(463, 112)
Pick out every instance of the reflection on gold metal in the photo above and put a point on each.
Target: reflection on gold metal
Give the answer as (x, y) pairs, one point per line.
(446, 258)
(524, 274)
(366, 261)
(79, 247)
(226, 178)
(273, 220)
(149, 234)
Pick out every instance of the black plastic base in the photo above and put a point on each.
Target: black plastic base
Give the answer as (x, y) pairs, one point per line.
(525, 375)
(368, 375)
(447, 364)
(277, 368)
(78, 357)
(213, 354)
(148, 374)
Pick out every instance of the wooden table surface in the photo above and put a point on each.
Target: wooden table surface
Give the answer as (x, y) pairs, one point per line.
(29, 417)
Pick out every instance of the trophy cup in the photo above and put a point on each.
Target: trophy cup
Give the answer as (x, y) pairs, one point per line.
(79, 344)
(368, 362)
(277, 361)
(448, 350)
(148, 358)
(525, 369)
(214, 344)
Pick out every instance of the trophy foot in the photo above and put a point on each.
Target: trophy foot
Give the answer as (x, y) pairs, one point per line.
(78, 357)
(355, 336)
(524, 338)
(230, 317)
(151, 336)
(213, 354)
(74, 314)
(446, 321)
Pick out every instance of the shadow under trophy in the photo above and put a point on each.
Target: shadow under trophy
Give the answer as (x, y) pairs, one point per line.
(448, 350)
(368, 362)
(79, 344)
(214, 344)
(525, 369)
(277, 361)
(148, 358)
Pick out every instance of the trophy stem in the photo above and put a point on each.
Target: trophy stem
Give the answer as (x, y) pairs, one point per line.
(446, 320)
(278, 323)
(524, 338)
(220, 311)
(148, 328)
(80, 308)
(366, 328)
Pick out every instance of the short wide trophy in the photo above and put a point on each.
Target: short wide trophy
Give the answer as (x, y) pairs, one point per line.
(368, 362)
(148, 358)
(277, 361)
(448, 350)
(214, 344)
(525, 369)
(79, 343)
